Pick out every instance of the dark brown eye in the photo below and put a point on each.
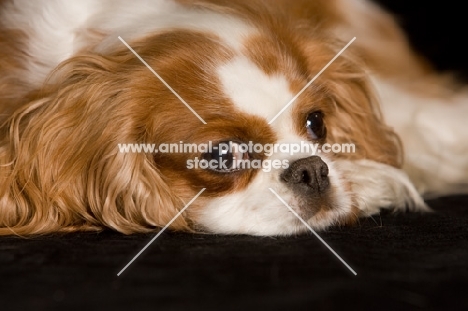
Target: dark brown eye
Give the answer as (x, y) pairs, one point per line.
(315, 125)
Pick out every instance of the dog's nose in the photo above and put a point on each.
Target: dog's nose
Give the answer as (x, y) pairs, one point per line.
(307, 174)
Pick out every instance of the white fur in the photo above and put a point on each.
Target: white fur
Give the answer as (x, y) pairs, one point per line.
(434, 133)
(52, 27)
(252, 90)
(137, 21)
(56, 28)
(376, 185)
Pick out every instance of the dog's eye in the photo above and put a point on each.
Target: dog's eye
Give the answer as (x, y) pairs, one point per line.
(315, 125)
(226, 157)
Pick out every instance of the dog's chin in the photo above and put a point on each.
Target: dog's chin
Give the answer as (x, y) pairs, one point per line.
(269, 207)
(260, 212)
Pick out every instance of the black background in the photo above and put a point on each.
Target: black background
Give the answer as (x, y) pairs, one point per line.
(403, 261)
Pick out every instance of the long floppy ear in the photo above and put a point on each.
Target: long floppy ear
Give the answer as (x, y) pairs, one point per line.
(60, 165)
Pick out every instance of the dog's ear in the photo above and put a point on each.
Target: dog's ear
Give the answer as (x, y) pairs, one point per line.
(60, 164)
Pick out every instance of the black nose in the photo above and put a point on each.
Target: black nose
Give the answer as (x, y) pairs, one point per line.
(308, 175)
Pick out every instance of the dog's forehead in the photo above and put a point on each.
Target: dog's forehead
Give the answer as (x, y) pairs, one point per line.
(252, 90)
(219, 78)
(255, 92)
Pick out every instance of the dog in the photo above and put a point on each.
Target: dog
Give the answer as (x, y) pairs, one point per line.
(81, 79)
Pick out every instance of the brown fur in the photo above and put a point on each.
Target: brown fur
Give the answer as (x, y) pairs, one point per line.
(60, 164)
(60, 167)
(12, 55)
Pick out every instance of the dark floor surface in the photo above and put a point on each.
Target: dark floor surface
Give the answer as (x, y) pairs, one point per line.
(402, 261)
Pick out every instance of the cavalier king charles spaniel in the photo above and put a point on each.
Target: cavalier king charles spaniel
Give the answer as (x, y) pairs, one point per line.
(81, 79)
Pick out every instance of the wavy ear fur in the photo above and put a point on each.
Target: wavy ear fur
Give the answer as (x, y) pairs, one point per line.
(60, 166)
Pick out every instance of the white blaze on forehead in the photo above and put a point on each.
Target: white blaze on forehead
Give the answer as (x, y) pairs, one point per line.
(254, 92)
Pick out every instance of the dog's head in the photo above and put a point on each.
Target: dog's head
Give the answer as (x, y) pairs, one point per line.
(64, 166)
